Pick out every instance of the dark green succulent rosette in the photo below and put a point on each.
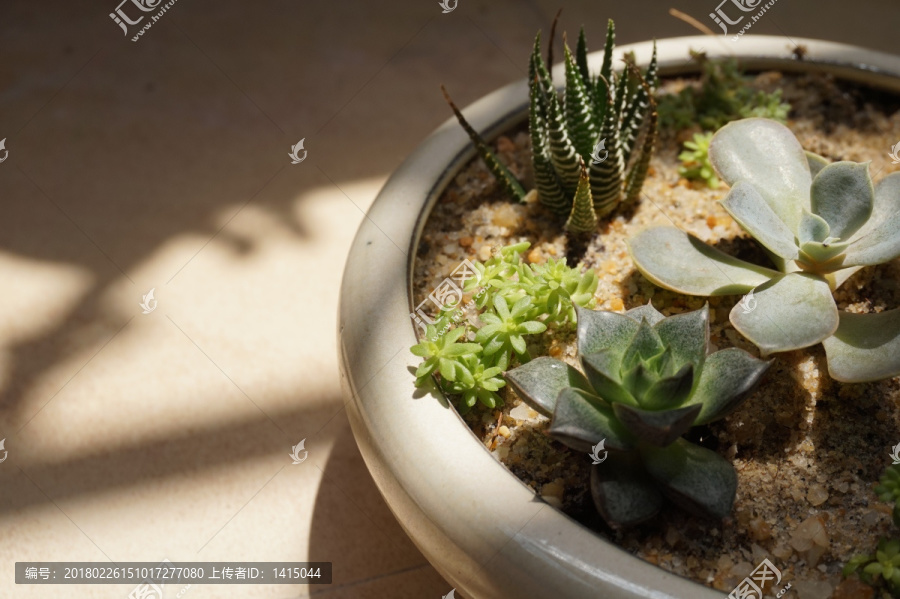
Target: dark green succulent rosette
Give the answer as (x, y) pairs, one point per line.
(646, 379)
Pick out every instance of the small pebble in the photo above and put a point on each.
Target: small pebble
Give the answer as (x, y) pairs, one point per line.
(817, 495)
(504, 431)
(535, 256)
(506, 216)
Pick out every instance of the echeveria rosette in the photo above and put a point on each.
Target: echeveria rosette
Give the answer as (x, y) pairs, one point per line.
(645, 380)
(819, 222)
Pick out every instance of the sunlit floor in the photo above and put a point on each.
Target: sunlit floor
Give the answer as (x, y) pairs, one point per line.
(144, 429)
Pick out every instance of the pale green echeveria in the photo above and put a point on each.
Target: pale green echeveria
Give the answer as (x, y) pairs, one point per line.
(645, 380)
(820, 222)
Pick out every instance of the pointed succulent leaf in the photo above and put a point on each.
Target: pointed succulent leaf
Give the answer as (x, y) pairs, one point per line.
(755, 216)
(638, 109)
(670, 391)
(579, 113)
(816, 163)
(768, 156)
(602, 370)
(580, 422)
(823, 256)
(538, 68)
(623, 492)
(604, 91)
(644, 345)
(563, 155)
(656, 428)
(792, 311)
(865, 347)
(581, 60)
(699, 480)
(582, 220)
(646, 312)
(887, 203)
(879, 245)
(727, 378)
(539, 382)
(812, 228)
(679, 261)
(843, 195)
(638, 379)
(508, 182)
(634, 181)
(546, 181)
(662, 364)
(599, 330)
(607, 176)
(687, 335)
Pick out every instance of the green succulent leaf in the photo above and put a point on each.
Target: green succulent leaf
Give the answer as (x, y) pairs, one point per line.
(670, 391)
(546, 181)
(504, 176)
(623, 492)
(602, 370)
(659, 428)
(843, 195)
(540, 381)
(823, 256)
(687, 335)
(865, 347)
(646, 312)
(644, 345)
(754, 214)
(603, 93)
(697, 479)
(607, 176)
(583, 218)
(887, 203)
(579, 112)
(816, 163)
(663, 254)
(727, 378)
(599, 330)
(879, 245)
(581, 58)
(792, 311)
(634, 180)
(812, 228)
(765, 154)
(580, 421)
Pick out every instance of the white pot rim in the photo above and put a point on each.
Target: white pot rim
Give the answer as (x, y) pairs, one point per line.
(483, 529)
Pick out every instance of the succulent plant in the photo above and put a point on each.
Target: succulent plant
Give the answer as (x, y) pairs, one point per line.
(888, 489)
(722, 96)
(881, 569)
(819, 223)
(591, 148)
(695, 160)
(645, 381)
(608, 113)
(515, 300)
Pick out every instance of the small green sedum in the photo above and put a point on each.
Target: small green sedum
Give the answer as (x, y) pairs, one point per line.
(888, 489)
(646, 381)
(819, 222)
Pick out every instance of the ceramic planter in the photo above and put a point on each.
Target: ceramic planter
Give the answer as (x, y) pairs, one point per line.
(486, 532)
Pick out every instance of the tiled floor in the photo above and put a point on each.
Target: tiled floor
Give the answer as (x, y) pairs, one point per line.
(163, 164)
